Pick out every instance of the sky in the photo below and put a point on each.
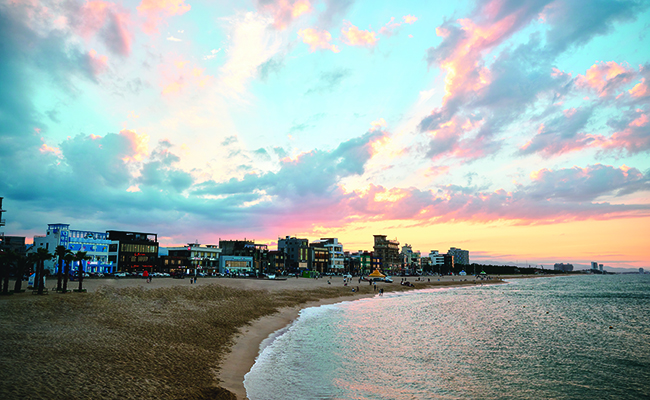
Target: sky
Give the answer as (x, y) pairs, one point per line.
(516, 129)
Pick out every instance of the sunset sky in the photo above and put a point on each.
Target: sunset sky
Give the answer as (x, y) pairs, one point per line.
(516, 129)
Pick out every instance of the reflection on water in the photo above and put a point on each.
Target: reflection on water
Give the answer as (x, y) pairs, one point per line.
(533, 338)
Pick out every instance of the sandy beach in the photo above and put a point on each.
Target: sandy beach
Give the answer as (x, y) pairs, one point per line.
(170, 338)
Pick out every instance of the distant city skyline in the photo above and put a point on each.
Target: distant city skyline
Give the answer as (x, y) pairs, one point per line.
(519, 131)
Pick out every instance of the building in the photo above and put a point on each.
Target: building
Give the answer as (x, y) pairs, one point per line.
(641, 271)
(411, 260)
(133, 251)
(277, 262)
(448, 265)
(336, 255)
(236, 265)
(13, 243)
(247, 248)
(95, 244)
(297, 251)
(318, 258)
(594, 266)
(360, 263)
(388, 252)
(194, 258)
(460, 256)
(563, 267)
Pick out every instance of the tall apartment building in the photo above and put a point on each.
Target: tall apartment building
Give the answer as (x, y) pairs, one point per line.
(388, 252)
(296, 250)
(460, 256)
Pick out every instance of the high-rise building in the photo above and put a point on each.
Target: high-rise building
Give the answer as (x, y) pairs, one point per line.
(297, 252)
(460, 256)
(388, 252)
(563, 267)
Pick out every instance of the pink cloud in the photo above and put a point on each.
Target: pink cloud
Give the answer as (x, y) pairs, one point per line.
(635, 138)
(317, 40)
(640, 89)
(605, 77)
(155, 12)
(138, 145)
(285, 11)
(353, 36)
(108, 20)
(98, 63)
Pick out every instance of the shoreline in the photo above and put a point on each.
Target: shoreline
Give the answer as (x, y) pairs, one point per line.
(246, 344)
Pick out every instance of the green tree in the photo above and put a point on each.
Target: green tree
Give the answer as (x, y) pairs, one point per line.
(80, 256)
(66, 274)
(41, 255)
(60, 252)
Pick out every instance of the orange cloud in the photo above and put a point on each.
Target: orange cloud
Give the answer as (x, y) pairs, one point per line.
(353, 36)
(47, 149)
(605, 77)
(139, 145)
(409, 19)
(640, 89)
(155, 11)
(176, 78)
(284, 11)
(317, 40)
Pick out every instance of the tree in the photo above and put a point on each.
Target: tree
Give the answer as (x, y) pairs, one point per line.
(23, 263)
(60, 252)
(41, 255)
(66, 274)
(7, 259)
(80, 256)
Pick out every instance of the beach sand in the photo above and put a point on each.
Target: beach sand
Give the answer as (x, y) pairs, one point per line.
(127, 338)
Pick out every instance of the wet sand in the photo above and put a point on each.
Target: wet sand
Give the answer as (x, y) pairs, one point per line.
(127, 338)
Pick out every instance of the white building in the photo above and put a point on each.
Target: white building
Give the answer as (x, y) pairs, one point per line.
(436, 258)
(335, 249)
(95, 244)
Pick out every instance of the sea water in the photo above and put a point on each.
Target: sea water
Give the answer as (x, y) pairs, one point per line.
(575, 337)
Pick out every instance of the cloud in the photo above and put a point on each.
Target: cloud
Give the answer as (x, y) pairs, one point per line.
(330, 80)
(333, 13)
(285, 11)
(252, 44)
(562, 134)
(606, 77)
(353, 36)
(156, 11)
(107, 20)
(503, 88)
(317, 40)
(634, 137)
(391, 28)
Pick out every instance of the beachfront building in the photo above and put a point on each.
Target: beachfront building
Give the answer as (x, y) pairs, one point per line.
(133, 251)
(297, 252)
(277, 262)
(360, 263)
(318, 258)
(410, 259)
(95, 244)
(13, 243)
(388, 252)
(194, 258)
(236, 265)
(460, 256)
(563, 267)
(247, 248)
(336, 256)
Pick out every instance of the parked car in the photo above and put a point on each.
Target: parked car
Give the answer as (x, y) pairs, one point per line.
(120, 275)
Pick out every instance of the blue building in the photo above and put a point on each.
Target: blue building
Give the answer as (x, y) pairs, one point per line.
(235, 264)
(95, 244)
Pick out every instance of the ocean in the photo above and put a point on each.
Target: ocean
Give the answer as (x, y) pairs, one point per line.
(574, 337)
